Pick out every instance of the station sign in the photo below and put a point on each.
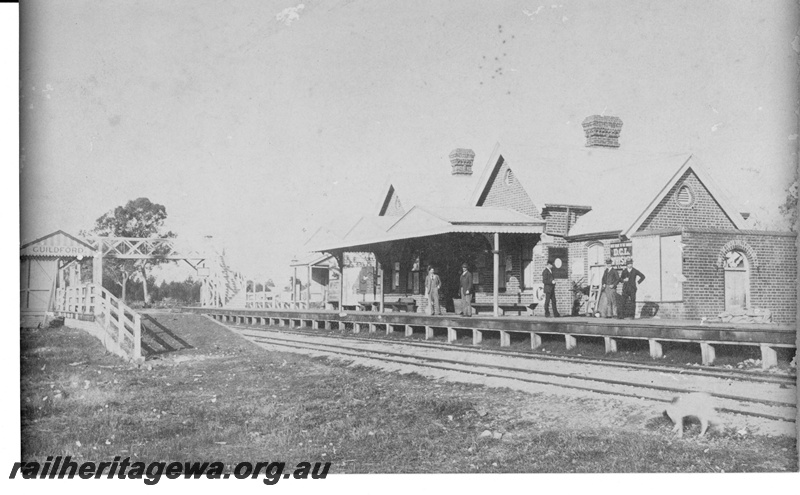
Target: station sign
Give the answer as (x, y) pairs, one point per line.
(57, 245)
(621, 252)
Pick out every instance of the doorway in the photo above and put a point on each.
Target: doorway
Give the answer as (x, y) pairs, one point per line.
(737, 281)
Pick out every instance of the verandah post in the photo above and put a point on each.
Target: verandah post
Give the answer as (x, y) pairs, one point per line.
(496, 267)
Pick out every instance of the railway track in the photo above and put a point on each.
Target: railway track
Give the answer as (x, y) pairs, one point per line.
(736, 392)
(734, 374)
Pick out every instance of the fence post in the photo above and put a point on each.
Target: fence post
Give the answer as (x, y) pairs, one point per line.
(137, 336)
(120, 323)
(106, 310)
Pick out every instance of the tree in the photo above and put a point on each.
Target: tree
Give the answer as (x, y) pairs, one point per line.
(138, 218)
(789, 207)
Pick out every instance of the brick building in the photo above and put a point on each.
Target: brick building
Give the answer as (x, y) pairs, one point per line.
(576, 206)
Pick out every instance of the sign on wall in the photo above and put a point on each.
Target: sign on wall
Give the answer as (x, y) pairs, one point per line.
(620, 253)
(558, 255)
(59, 244)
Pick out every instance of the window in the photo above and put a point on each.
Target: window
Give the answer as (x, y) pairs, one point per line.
(396, 275)
(596, 262)
(527, 269)
(413, 284)
(509, 177)
(684, 197)
(737, 281)
(501, 273)
(596, 252)
(660, 259)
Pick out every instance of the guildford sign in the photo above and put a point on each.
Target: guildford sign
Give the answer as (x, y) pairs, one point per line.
(57, 245)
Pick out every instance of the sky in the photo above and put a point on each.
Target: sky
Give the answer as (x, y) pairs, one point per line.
(256, 122)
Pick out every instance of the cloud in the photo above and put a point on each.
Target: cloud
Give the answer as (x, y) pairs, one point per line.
(289, 15)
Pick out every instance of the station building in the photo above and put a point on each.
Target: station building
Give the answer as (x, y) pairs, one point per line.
(576, 206)
(42, 263)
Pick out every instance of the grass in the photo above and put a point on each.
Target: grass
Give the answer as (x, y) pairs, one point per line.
(225, 399)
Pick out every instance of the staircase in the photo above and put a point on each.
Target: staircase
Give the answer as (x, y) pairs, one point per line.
(222, 285)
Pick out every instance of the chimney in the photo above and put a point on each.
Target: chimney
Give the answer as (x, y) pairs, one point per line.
(602, 131)
(461, 160)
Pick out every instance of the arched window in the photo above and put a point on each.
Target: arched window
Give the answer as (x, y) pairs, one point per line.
(509, 177)
(685, 196)
(596, 252)
(737, 280)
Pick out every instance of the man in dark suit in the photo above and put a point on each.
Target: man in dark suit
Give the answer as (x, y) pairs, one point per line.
(466, 291)
(630, 278)
(549, 290)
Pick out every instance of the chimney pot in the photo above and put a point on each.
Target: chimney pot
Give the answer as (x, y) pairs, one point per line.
(461, 160)
(602, 131)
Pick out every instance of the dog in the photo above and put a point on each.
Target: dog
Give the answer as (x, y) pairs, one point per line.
(699, 405)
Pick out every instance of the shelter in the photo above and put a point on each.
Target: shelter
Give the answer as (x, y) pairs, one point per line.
(42, 264)
(328, 283)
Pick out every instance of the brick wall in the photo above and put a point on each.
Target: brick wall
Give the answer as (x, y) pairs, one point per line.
(512, 196)
(704, 213)
(772, 258)
(560, 218)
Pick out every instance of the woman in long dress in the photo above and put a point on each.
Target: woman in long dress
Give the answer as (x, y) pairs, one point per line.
(607, 305)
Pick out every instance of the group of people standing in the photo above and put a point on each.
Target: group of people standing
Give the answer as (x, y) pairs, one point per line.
(433, 284)
(609, 305)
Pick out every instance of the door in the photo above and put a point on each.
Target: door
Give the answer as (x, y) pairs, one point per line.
(736, 281)
(37, 281)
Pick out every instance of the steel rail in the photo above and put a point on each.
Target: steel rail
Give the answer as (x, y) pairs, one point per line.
(480, 369)
(731, 374)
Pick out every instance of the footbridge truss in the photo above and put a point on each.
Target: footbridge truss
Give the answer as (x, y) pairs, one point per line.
(220, 283)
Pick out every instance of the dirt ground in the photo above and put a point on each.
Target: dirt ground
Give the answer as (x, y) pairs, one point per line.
(211, 394)
(572, 408)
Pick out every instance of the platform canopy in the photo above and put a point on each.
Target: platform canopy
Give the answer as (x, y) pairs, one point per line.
(424, 221)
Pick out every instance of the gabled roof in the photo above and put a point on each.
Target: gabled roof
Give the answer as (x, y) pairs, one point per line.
(370, 227)
(436, 187)
(619, 187)
(716, 192)
(622, 187)
(57, 244)
(422, 221)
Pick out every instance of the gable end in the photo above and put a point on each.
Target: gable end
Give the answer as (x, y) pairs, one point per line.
(688, 204)
(392, 207)
(504, 190)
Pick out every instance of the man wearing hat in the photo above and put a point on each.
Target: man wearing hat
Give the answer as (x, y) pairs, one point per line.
(466, 291)
(549, 290)
(607, 306)
(630, 278)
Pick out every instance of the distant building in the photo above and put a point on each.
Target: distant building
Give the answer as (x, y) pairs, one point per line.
(576, 206)
(323, 272)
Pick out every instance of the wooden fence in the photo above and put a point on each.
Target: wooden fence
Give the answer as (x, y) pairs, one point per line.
(119, 322)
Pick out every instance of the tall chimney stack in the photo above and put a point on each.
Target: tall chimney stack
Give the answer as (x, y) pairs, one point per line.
(602, 131)
(461, 159)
